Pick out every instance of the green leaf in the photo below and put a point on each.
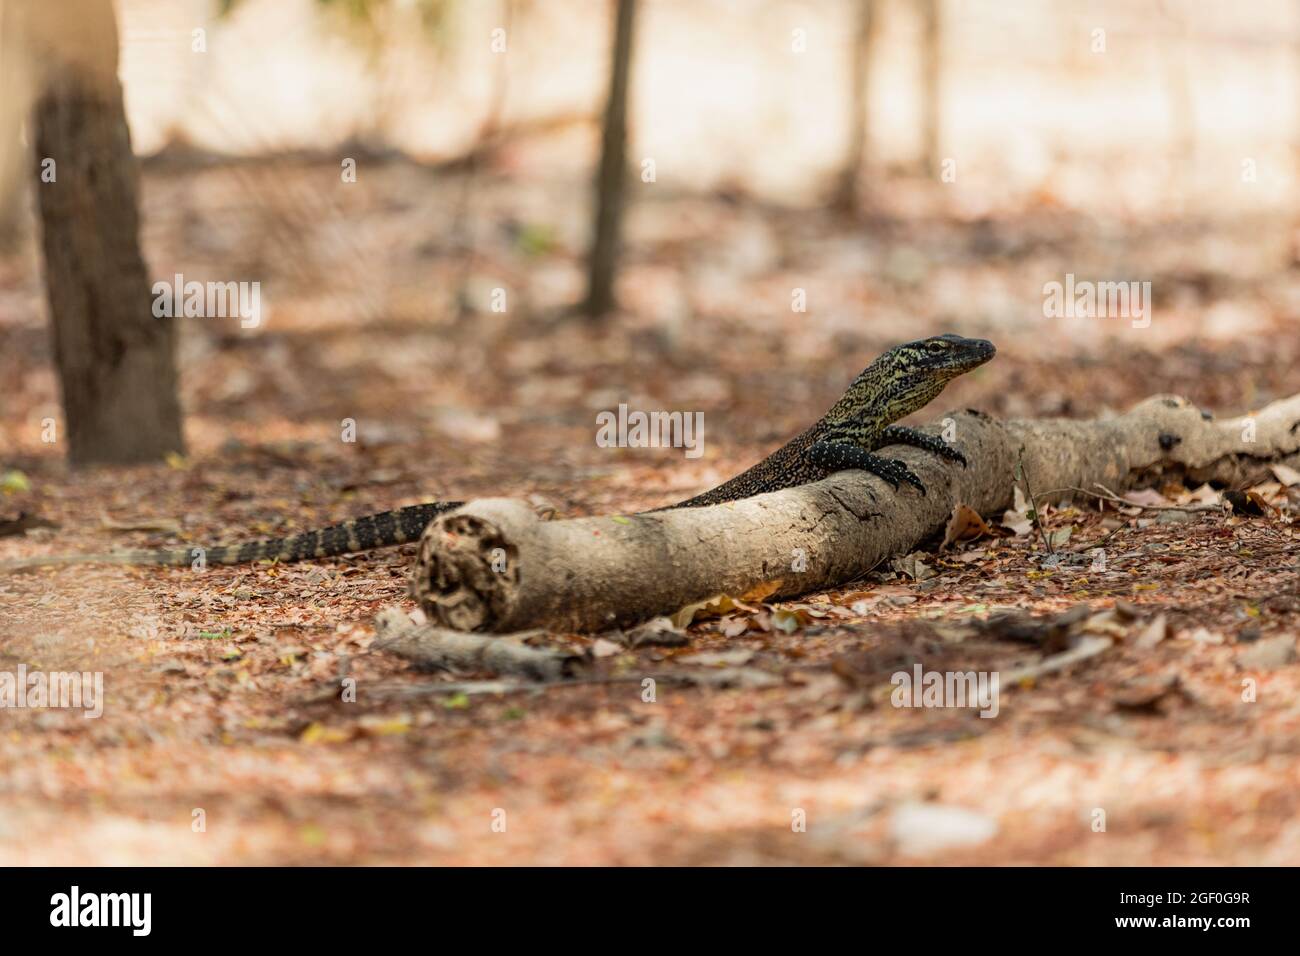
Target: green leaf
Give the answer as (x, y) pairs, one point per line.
(13, 482)
(535, 239)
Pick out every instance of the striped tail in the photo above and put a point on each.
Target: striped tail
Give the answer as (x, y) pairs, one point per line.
(382, 530)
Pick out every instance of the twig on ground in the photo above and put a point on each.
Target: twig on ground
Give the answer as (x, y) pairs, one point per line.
(1107, 495)
(471, 688)
(1086, 648)
(437, 648)
(1022, 475)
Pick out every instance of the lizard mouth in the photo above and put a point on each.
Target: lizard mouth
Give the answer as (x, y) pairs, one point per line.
(983, 350)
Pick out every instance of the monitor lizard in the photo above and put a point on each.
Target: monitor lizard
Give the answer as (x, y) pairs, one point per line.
(899, 382)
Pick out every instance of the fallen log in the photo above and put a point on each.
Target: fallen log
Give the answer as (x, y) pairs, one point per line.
(492, 565)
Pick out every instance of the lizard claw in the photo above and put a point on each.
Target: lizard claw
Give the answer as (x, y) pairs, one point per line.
(953, 453)
(901, 472)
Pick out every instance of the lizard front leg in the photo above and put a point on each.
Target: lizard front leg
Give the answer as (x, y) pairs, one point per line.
(838, 456)
(901, 435)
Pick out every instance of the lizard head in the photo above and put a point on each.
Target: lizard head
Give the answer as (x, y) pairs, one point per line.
(909, 376)
(940, 357)
(926, 366)
(916, 372)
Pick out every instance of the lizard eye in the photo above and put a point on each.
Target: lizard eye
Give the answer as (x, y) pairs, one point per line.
(936, 346)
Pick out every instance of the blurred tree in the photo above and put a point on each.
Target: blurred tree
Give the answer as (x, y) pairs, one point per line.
(116, 361)
(850, 192)
(1179, 67)
(13, 155)
(613, 170)
(931, 83)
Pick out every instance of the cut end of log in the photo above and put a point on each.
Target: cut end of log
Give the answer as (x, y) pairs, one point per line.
(467, 573)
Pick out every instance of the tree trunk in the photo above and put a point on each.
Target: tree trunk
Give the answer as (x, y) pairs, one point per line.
(850, 193)
(116, 361)
(613, 165)
(14, 97)
(591, 574)
(931, 84)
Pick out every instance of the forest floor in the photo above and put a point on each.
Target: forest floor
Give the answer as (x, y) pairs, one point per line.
(223, 741)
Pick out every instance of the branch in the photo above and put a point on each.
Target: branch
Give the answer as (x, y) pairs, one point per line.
(435, 648)
(591, 574)
(1107, 495)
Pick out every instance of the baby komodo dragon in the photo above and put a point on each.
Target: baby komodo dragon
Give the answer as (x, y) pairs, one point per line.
(899, 382)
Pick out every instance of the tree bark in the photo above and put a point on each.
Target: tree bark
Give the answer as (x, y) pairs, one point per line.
(591, 574)
(613, 165)
(116, 361)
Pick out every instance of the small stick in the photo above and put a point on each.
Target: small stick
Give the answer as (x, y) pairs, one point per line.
(437, 648)
(1112, 497)
(475, 687)
(1038, 515)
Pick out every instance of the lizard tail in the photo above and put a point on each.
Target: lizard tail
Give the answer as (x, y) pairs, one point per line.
(380, 530)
